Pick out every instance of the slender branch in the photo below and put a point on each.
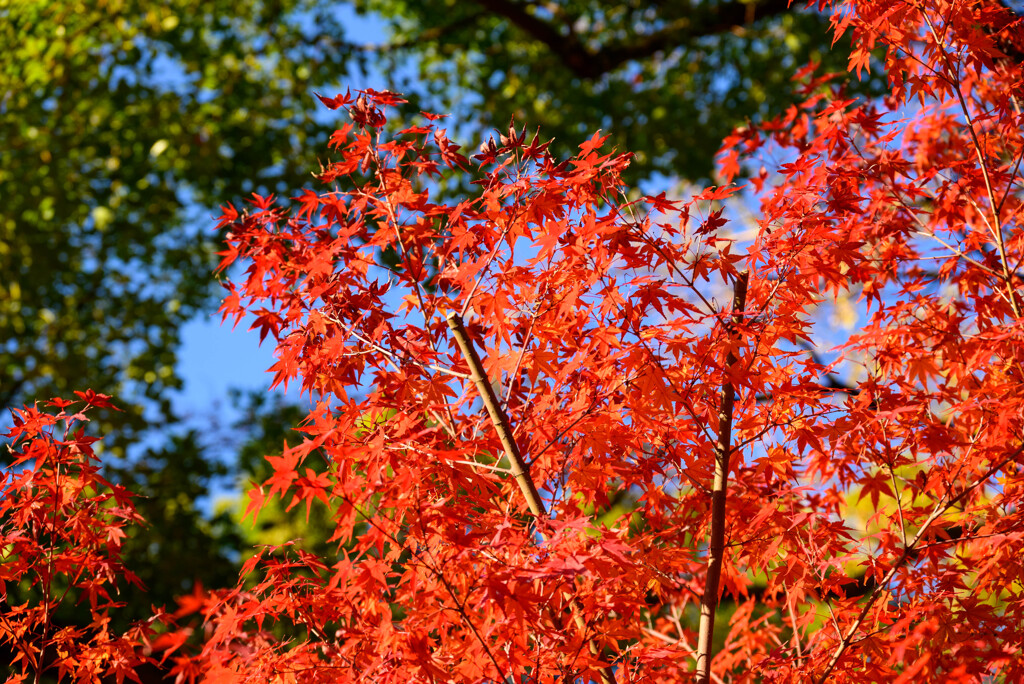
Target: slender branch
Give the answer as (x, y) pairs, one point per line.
(670, 263)
(716, 551)
(793, 621)
(899, 503)
(518, 467)
(487, 264)
(584, 414)
(428, 314)
(996, 227)
(514, 375)
(439, 574)
(465, 617)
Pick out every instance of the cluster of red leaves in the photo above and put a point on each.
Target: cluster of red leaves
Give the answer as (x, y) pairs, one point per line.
(914, 203)
(603, 359)
(611, 361)
(595, 319)
(61, 529)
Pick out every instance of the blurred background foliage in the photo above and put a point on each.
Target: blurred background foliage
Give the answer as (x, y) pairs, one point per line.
(667, 80)
(125, 123)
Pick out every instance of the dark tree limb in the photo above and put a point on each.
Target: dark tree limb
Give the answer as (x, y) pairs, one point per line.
(587, 63)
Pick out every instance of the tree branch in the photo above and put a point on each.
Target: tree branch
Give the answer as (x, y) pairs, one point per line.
(716, 550)
(517, 466)
(909, 552)
(587, 63)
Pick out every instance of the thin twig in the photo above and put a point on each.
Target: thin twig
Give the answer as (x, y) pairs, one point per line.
(996, 227)
(899, 504)
(792, 620)
(941, 506)
(461, 606)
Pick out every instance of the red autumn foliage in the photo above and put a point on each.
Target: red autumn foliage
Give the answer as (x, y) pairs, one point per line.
(547, 445)
(61, 529)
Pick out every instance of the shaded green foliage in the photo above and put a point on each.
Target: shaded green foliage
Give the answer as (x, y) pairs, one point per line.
(269, 424)
(182, 543)
(118, 118)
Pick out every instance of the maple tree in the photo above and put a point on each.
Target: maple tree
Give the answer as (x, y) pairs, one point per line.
(62, 527)
(548, 450)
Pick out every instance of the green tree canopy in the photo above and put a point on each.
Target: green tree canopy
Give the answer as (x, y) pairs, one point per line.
(116, 118)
